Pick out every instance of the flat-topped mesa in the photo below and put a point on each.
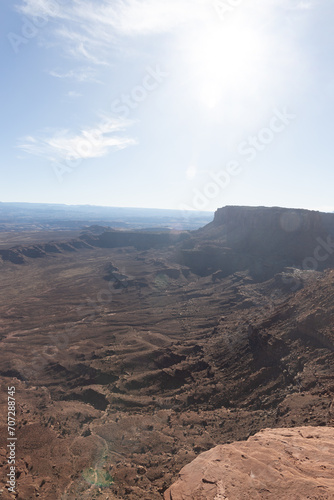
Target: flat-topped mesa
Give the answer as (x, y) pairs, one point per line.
(286, 219)
(262, 240)
(273, 230)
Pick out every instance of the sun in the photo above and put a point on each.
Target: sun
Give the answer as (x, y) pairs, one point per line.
(223, 58)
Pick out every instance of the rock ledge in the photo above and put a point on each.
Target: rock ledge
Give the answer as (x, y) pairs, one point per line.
(293, 463)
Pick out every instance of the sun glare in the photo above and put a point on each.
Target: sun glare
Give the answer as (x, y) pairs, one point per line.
(224, 58)
(191, 172)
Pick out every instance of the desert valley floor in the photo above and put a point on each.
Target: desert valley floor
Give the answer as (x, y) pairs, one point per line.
(128, 365)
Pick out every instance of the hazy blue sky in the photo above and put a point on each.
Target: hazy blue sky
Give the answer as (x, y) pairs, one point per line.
(168, 103)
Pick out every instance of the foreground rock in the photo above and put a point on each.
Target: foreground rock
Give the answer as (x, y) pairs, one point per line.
(294, 463)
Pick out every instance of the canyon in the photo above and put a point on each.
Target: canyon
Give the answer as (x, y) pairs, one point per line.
(135, 352)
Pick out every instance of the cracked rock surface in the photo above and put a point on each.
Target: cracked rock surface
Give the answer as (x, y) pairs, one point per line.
(274, 463)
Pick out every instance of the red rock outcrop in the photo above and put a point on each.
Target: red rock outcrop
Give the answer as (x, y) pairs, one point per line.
(262, 240)
(293, 463)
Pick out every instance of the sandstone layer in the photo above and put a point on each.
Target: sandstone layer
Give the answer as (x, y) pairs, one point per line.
(289, 464)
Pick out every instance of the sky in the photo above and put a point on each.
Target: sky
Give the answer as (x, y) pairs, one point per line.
(183, 104)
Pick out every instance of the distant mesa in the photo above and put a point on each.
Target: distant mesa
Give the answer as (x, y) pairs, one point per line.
(46, 216)
(260, 240)
(96, 229)
(18, 254)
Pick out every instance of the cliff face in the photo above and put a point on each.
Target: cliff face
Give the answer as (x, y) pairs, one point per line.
(275, 463)
(266, 217)
(97, 237)
(263, 240)
(282, 224)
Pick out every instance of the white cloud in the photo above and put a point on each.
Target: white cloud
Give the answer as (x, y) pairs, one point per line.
(42, 8)
(90, 28)
(79, 74)
(74, 94)
(94, 142)
(304, 5)
(126, 17)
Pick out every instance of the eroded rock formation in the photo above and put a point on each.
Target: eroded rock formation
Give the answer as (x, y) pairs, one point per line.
(274, 463)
